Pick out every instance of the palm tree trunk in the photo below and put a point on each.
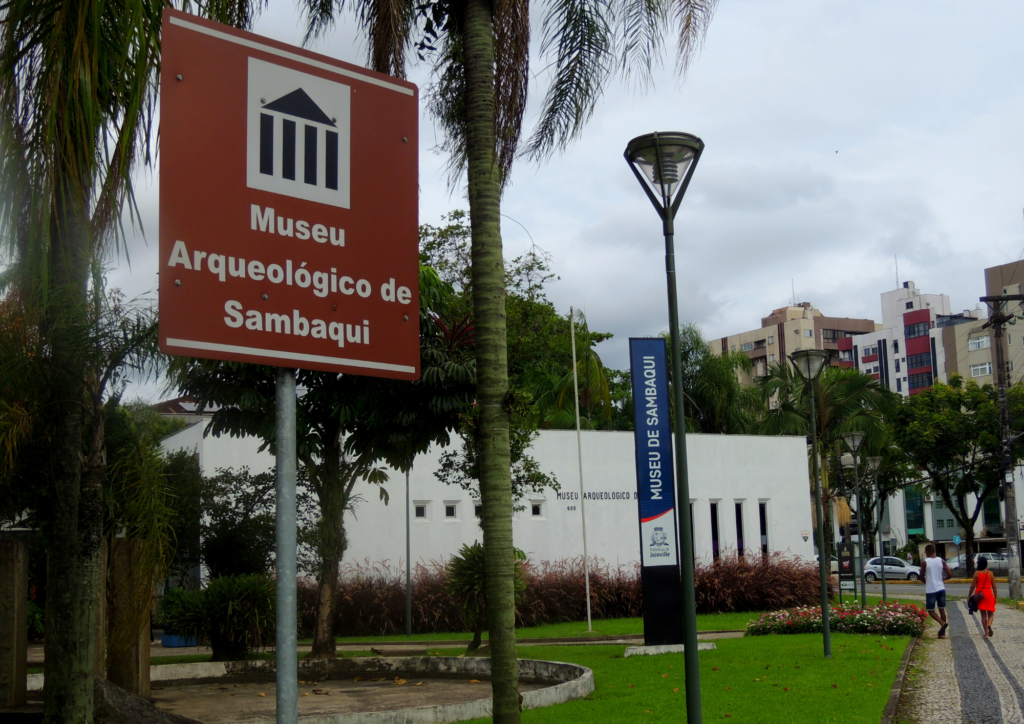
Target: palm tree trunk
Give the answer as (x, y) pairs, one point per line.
(77, 512)
(491, 357)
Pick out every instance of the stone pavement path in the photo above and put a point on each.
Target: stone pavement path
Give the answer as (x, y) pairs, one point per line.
(964, 679)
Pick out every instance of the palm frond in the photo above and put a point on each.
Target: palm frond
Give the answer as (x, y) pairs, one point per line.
(694, 17)
(511, 78)
(641, 27)
(578, 42)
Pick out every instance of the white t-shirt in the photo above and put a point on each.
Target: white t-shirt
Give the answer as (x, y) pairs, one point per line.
(933, 575)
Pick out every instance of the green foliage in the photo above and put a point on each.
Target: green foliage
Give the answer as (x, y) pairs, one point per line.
(139, 512)
(238, 526)
(36, 622)
(715, 400)
(845, 400)
(462, 466)
(951, 432)
(184, 486)
(466, 582)
(233, 614)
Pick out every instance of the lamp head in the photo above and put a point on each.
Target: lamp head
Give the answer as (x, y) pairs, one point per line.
(874, 463)
(809, 362)
(853, 440)
(663, 164)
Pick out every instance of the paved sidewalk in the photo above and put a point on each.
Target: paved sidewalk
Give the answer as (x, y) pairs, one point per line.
(968, 680)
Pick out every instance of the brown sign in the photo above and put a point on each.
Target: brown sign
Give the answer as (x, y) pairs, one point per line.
(288, 206)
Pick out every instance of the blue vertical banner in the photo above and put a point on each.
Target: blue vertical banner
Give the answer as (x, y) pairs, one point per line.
(653, 436)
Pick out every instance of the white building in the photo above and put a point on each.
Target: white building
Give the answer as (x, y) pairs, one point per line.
(745, 491)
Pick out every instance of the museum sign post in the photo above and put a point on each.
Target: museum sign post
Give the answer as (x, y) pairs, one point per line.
(659, 538)
(288, 231)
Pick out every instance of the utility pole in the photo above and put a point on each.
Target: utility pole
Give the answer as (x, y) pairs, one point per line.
(997, 321)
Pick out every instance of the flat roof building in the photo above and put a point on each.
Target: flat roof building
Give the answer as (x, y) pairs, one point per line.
(787, 330)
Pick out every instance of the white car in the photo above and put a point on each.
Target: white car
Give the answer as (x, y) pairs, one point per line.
(834, 568)
(896, 568)
(996, 563)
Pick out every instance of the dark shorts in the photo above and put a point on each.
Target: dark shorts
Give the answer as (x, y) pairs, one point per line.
(939, 597)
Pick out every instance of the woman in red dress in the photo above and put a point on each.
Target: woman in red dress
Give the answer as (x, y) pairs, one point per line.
(985, 584)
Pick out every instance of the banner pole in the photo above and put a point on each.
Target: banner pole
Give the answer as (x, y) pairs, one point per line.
(579, 455)
(286, 657)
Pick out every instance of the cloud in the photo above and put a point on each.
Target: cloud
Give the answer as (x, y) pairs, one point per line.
(839, 135)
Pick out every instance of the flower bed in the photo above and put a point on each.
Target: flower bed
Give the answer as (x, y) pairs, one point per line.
(892, 619)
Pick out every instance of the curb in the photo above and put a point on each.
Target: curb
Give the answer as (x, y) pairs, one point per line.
(889, 713)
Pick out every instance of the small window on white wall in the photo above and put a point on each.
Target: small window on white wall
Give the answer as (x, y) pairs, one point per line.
(478, 510)
(808, 332)
(421, 510)
(537, 509)
(451, 510)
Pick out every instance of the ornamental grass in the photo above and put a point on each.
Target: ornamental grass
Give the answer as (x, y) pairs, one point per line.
(371, 596)
(887, 619)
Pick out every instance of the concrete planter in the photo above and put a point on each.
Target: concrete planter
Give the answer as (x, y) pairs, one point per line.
(561, 682)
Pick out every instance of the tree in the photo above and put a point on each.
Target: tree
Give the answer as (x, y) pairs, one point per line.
(346, 424)
(718, 403)
(482, 62)
(896, 472)
(76, 100)
(951, 432)
(555, 393)
(845, 400)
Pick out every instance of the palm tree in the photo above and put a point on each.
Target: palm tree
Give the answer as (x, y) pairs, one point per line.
(481, 51)
(76, 99)
(554, 393)
(717, 402)
(845, 400)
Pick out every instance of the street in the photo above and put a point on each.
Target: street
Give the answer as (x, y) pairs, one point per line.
(906, 590)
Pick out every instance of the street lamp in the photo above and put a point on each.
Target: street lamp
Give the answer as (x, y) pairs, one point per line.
(874, 463)
(853, 441)
(809, 363)
(663, 163)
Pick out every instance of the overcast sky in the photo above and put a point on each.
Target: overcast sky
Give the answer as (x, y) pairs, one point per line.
(839, 135)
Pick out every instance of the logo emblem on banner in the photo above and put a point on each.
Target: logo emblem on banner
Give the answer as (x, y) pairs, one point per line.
(298, 135)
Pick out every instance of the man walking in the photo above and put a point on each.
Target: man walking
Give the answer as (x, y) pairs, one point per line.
(934, 571)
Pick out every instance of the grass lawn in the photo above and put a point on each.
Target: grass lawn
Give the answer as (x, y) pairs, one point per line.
(762, 679)
(605, 627)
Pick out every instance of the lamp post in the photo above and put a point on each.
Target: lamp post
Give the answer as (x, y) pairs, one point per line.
(853, 441)
(874, 463)
(809, 363)
(663, 163)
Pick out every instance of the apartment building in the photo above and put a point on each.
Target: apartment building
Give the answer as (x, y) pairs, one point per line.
(920, 341)
(787, 330)
(1009, 279)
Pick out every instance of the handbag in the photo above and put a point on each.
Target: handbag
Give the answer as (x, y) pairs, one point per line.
(978, 596)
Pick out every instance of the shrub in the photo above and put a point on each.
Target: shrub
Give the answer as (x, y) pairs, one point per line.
(371, 598)
(889, 619)
(757, 583)
(36, 622)
(466, 583)
(556, 592)
(233, 614)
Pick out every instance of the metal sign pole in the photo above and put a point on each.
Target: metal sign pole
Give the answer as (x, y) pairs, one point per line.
(286, 658)
(408, 561)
